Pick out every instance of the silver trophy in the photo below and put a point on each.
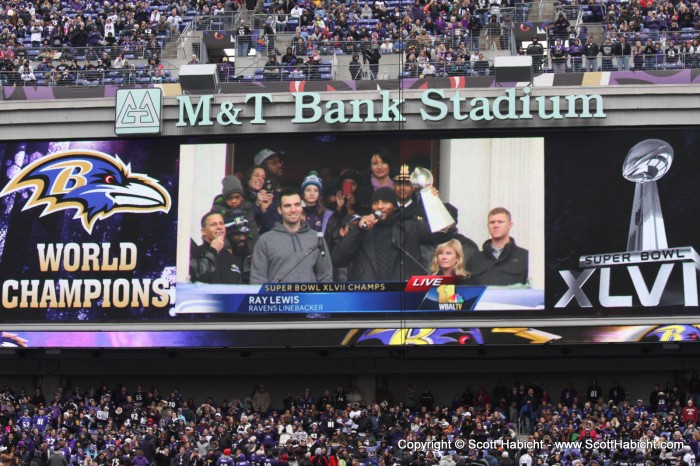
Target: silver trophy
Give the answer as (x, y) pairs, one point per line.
(438, 216)
(645, 163)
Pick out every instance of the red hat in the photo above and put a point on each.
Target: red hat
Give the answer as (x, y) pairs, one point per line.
(227, 452)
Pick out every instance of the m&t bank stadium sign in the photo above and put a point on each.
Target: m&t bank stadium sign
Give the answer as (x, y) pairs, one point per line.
(436, 106)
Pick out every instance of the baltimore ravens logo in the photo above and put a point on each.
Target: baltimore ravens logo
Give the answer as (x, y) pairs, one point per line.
(93, 183)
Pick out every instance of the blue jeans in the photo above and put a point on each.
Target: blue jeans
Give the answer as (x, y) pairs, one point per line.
(623, 63)
(592, 64)
(576, 64)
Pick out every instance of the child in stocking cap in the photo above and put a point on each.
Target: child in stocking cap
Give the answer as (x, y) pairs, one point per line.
(317, 215)
(233, 207)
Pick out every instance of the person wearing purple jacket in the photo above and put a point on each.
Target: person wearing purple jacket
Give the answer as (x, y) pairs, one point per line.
(269, 437)
(576, 54)
(41, 421)
(61, 448)
(225, 458)
(417, 11)
(241, 461)
(140, 459)
(258, 458)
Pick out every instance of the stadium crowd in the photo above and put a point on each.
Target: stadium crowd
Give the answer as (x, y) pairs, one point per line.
(142, 427)
(92, 42)
(437, 37)
(649, 35)
(86, 42)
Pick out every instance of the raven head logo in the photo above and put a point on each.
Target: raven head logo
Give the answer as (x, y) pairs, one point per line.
(93, 183)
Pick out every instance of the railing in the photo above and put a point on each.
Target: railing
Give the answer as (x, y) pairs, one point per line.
(663, 37)
(130, 76)
(182, 39)
(327, 71)
(571, 12)
(226, 21)
(229, 21)
(93, 54)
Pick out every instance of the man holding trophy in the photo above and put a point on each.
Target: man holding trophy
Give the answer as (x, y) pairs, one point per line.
(418, 197)
(386, 245)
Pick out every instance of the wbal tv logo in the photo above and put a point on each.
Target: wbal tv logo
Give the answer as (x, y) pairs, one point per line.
(138, 111)
(449, 299)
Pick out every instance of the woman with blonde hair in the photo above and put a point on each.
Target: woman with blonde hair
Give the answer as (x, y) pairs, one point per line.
(449, 260)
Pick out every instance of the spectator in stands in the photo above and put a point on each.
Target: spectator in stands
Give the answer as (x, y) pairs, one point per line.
(272, 70)
(683, 54)
(428, 70)
(536, 51)
(355, 68)
(163, 28)
(131, 76)
(26, 72)
(269, 38)
(617, 393)
(576, 54)
(174, 20)
(561, 27)
(649, 55)
(623, 50)
(291, 251)
(481, 66)
(261, 399)
(694, 53)
(243, 39)
(672, 54)
(608, 52)
(289, 59)
(120, 62)
(501, 262)
(459, 67)
(559, 56)
(313, 65)
(591, 51)
(387, 47)
(493, 33)
(372, 57)
(226, 70)
(638, 56)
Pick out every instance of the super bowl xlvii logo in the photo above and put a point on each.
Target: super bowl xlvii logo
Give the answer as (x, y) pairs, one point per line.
(93, 183)
(138, 111)
(621, 279)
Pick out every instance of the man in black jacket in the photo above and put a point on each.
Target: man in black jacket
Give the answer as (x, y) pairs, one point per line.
(591, 51)
(384, 246)
(536, 51)
(623, 51)
(214, 261)
(501, 262)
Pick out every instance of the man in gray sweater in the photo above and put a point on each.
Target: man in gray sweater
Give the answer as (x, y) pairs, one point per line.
(291, 251)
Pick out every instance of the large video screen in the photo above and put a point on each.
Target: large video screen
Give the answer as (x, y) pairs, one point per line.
(620, 229)
(371, 241)
(339, 228)
(354, 337)
(88, 230)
